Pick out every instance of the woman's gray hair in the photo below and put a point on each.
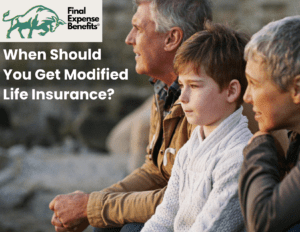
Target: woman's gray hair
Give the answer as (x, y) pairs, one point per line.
(278, 44)
(189, 15)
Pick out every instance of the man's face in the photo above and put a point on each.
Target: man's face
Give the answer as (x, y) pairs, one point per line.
(148, 45)
(274, 109)
(201, 99)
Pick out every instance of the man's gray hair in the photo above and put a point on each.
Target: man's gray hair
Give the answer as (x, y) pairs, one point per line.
(189, 15)
(278, 44)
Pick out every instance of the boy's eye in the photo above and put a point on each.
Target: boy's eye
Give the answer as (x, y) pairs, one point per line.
(180, 86)
(194, 86)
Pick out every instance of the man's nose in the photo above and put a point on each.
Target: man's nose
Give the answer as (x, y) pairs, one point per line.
(130, 38)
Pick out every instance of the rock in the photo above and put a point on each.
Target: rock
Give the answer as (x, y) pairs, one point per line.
(5, 118)
(92, 127)
(7, 169)
(31, 178)
(13, 195)
(130, 136)
(17, 151)
(7, 137)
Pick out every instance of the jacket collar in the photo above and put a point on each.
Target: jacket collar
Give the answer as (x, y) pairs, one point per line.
(176, 111)
(168, 94)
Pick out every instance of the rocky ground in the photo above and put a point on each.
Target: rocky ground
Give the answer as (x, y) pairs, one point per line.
(30, 179)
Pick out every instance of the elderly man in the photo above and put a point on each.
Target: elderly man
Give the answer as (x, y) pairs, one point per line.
(159, 27)
(273, 74)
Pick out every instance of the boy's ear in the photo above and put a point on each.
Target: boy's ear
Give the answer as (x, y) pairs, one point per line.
(173, 39)
(233, 91)
(295, 90)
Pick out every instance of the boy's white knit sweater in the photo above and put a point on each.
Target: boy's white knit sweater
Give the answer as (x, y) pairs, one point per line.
(202, 191)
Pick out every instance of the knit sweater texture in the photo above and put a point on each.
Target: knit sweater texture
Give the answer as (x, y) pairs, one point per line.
(202, 193)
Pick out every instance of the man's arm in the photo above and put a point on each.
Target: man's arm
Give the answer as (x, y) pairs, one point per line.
(143, 189)
(132, 200)
(145, 178)
(267, 204)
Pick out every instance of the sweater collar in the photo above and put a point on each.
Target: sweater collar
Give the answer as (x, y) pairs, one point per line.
(225, 127)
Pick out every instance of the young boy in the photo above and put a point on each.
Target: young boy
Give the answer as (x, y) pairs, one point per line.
(202, 191)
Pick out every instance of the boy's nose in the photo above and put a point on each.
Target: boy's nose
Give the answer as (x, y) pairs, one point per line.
(183, 96)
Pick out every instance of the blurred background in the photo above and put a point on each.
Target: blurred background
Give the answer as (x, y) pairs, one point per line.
(53, 147)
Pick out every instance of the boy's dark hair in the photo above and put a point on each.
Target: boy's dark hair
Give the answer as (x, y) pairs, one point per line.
(220, 51)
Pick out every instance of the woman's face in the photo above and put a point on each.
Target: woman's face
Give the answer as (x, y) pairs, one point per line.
(274, 108)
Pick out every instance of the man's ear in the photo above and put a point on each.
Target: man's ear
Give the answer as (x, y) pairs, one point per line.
(233, 91)
(173, 39)
(295, 90)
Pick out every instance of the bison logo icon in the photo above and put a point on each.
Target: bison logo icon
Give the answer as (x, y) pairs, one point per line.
(36, 18)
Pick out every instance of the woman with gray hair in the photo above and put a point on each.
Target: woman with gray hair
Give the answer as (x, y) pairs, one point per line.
(273, 73)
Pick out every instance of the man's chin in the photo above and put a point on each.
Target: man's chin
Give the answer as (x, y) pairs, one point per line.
(141, 72)
(140, 69)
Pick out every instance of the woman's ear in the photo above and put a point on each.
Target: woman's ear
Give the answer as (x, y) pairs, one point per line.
(295, 90)
(173, 39)
(233, 91)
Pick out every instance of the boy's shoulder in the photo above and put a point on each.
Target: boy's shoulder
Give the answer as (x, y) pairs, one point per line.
(239, 139)
(231, 157)
(232, 147)
(239, 133)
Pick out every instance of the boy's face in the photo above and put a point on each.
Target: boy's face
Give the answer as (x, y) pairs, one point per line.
(201, 99)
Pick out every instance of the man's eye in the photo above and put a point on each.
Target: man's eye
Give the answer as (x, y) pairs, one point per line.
(180, 86)
(194, 86)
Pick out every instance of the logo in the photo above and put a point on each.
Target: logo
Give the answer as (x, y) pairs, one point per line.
(79, 22)
(32, 21)
(36, 18)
